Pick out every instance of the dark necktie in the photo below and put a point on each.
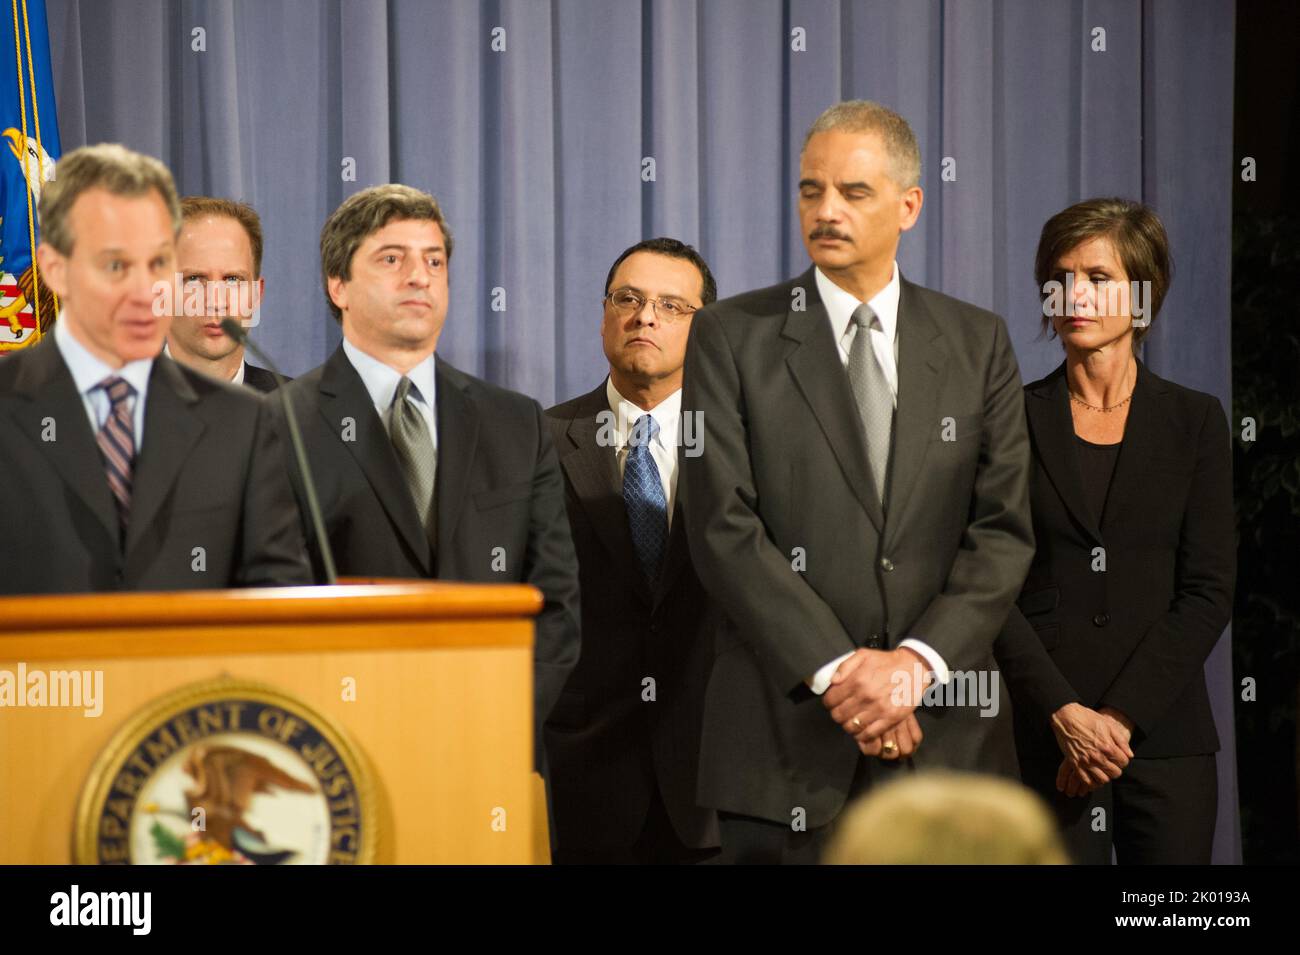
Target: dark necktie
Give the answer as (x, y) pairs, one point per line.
(643, 496)
(415, 452)
(116, 441)
(874, 399)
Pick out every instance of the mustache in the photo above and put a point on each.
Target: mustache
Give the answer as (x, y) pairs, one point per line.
(827, 232)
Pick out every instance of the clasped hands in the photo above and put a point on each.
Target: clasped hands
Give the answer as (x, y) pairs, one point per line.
(873, 696)
(1095, 744)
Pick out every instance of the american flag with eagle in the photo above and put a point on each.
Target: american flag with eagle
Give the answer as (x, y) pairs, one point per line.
(29, 147)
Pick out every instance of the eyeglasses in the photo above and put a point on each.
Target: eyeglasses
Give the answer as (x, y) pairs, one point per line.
(626, 301)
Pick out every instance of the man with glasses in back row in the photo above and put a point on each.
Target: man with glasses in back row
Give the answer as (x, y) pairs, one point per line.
(623, 739)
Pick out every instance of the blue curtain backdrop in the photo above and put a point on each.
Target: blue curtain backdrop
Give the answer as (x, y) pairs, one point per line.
(533, 120)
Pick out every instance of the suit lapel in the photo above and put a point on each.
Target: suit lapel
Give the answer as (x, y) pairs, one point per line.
(920, 370)
(171, 429)
(44, 380)
(343, 395)
(1149, 436)
(593, 473)
(815, 365)
(675, 559)
(1052, 427)
(458, 426)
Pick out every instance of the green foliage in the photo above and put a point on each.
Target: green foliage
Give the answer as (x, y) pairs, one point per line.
(1266, 621)
(167, 843)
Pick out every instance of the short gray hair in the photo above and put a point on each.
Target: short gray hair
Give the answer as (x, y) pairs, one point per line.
(865, 116)
(108, 166)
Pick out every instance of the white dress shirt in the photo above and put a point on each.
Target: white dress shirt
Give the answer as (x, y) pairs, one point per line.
(840, 306)
(667, 414)
(88, 373)
(381, 384)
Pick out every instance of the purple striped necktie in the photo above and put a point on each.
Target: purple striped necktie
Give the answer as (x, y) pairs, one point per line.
(116, 440)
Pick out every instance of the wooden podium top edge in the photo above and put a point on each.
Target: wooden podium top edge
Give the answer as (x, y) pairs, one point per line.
(350, 600)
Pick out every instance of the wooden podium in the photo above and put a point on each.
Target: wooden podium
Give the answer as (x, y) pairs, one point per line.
(440, 702)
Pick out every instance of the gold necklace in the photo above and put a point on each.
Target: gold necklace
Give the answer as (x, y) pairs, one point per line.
(1076, 398)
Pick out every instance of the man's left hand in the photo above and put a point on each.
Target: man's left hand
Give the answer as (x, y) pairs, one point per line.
(875, 690)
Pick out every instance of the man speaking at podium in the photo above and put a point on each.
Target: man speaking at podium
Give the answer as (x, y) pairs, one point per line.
(121, 469)
(421, 469)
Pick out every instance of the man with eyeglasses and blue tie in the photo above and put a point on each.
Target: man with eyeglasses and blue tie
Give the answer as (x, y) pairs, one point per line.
(122, 469)
(623, 739)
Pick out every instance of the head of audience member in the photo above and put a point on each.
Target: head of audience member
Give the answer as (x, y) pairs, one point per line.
(384, 262)
(652, 291)
(859, 190)
(109, 221)
(947, 818)
(1103, 269)
(219, 261)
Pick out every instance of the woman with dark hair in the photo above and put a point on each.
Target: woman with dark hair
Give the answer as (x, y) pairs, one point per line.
(1132, 582)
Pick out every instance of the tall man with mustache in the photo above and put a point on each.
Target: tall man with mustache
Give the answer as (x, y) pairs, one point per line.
(860, 509)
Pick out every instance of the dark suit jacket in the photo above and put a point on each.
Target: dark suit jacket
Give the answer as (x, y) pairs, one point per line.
(1134, 636)
(209, 474)
(259, 379)
(608, 748)
(499, 496)
(788, 535)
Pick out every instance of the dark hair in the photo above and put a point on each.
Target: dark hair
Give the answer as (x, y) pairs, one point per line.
(363, 214)
(195, 207)
(674, 249)
(1134, 229)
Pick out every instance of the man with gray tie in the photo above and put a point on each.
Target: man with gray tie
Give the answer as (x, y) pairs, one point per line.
(421, 469)
(623, 740)
(860, 509)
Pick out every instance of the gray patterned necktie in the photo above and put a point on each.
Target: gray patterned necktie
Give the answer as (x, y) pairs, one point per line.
(415, 452)
(871, 391)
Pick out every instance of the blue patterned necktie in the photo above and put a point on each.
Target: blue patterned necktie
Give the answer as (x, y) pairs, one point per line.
(643, 495)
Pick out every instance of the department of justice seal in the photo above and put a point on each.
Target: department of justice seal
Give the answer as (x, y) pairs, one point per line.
(228, 772)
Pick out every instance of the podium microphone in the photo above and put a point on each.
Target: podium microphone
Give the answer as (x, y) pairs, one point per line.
(236, 332)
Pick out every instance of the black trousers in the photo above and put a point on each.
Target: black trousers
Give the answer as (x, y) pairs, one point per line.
(747, 840)
(1161, 811)
(658, 844)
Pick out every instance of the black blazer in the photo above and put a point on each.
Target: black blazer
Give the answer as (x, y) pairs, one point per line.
(500, 497)
(259, 379)
(209, 474)
(788, 535)
(607, 746)
(1136, 635)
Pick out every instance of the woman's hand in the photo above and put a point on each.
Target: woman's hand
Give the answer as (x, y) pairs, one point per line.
(1095, 746)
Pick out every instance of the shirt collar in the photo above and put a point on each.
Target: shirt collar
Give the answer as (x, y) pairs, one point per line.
(381, 380)
(667, 415)
(89, 372)
(840, 304)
